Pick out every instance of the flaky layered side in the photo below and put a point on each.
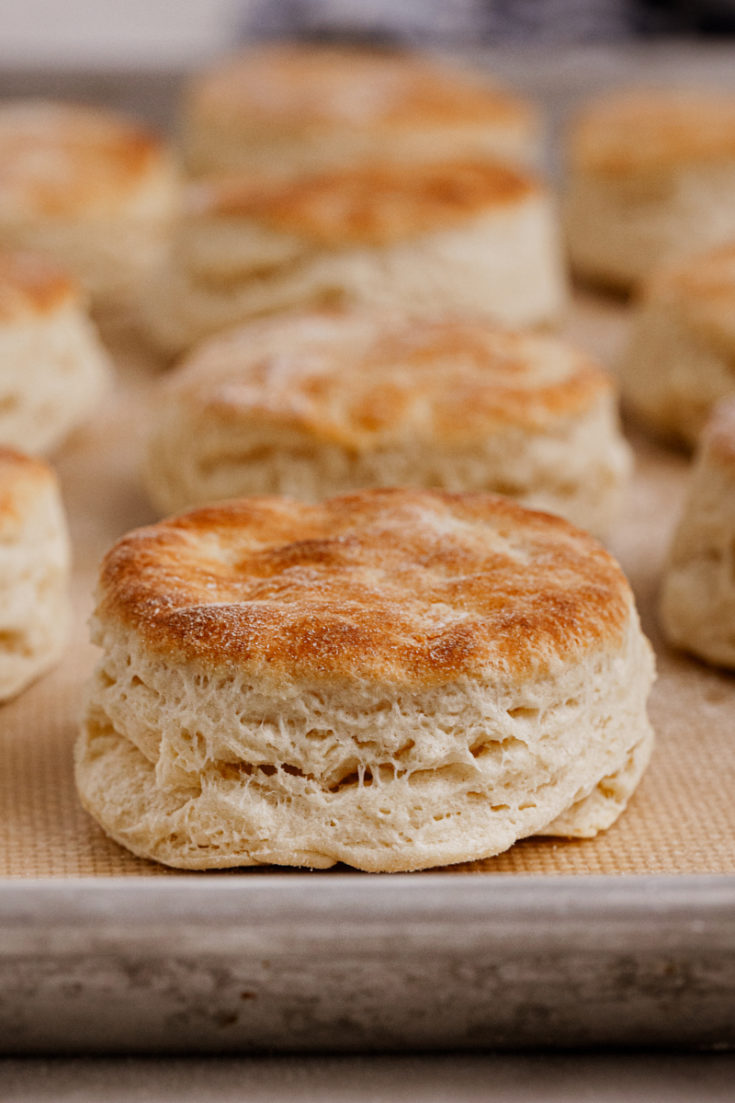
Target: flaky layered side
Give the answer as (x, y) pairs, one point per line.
(466, 237)
(34, 572)
(698, 588)
(201, 772)
(53, 367)
(680, 360)
(89, 188)
(302, 107)
(315, 404)
(651, 180)
(393, 679)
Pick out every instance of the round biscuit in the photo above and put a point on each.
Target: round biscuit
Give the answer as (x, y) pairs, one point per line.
(651, 180)
(90, 188)
(294, 107)
(394, 679)
(464, 236)
(317, 403)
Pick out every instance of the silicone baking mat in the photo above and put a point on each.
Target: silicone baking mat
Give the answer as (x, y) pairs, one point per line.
(681, 820)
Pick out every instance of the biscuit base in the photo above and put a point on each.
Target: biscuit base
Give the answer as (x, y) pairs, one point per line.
(200, 771)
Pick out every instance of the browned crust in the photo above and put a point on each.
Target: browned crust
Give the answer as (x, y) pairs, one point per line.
(402, 586)
(376, 203)
(60, 159)
(360, 378)
(648, 130)
(31, 284)
(294, 88)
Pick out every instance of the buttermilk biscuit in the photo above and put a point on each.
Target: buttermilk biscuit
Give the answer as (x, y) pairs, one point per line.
(681, 355)
(651, 179)
(89, 188)
(461, 236)
(698, 592)
(315, 404)
(53, 367)
(393, 679)
(292, 108)
(34, 571)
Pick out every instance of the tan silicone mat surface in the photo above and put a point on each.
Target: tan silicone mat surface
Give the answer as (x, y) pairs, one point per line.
(681, 820)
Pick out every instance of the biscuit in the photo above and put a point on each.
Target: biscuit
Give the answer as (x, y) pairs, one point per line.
(395, 679)
(318, 403)
(53, 368)
(698, 591)
(680, 358)
(295, 108)
(34, 571)
(472, 237)
(651, 180)
(92, 189)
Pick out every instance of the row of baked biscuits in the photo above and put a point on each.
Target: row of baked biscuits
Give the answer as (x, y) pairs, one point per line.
(99, 194)
(649, 176)
(467, 234)
(196, 804)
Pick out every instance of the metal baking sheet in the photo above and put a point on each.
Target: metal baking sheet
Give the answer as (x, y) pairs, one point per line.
(353, 963)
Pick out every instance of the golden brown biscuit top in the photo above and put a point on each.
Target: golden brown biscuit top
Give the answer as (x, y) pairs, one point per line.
(22, 479)
(359, 379)
(701, 290)
(648, 130)
(32, 285)
(718, 437)
(411, 587)
(60, 159)
(290, 89)
(374, 204)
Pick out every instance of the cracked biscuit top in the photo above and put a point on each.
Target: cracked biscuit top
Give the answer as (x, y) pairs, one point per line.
(62, 159)
(378, 203)
(358, 379)
(291, 89)
(408, 587)
(650, 130)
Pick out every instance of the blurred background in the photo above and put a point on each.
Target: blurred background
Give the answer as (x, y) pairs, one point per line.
(555, 50)
(171, 33)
